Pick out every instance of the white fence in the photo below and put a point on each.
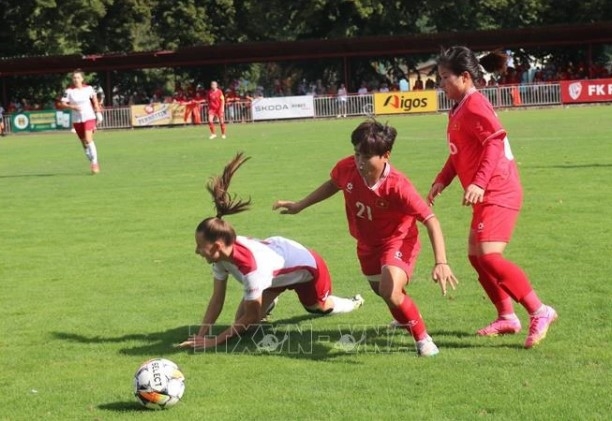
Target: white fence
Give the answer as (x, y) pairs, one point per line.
(355, 105)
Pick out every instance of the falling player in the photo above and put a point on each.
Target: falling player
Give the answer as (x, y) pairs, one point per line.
(265, 268)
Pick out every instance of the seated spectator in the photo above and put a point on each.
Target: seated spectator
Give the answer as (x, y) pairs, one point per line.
(363, 89)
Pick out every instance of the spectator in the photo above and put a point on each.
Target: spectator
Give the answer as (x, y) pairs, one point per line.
(418, 84)
(403, 84)
(342, 100)
(363, 90)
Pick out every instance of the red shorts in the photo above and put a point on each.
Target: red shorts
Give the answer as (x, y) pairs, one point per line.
(81, 128)
(492, 223)
(217, 113)
(315, 291)
(400, 253)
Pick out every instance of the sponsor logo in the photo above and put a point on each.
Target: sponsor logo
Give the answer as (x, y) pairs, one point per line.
(162, 114)
(271, 107)
(349, 187)
(575, 89)
(599, 90)
(21, 121)
(403, 103)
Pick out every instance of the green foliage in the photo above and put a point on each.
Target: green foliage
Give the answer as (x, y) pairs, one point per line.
(99, 274)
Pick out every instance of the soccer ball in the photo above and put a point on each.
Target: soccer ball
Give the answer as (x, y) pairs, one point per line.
(159, 384)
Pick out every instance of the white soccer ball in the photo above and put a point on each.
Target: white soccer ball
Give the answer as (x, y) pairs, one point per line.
(159, 384)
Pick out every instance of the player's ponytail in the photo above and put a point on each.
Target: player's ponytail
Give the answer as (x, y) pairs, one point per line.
(495, 61)
(459, 59)
(216, 228)
(218, 186)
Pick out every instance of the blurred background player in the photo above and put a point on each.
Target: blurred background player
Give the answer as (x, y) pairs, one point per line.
(265, 268)
(216, 108)
(2, 132)
(382, 208)
(82, 100)
(481, 157)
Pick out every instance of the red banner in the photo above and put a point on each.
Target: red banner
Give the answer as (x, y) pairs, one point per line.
(596, 90)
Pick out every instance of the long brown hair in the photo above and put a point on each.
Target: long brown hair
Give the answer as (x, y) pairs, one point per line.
(215, 228)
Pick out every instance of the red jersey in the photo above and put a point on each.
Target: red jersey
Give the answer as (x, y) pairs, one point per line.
(385, 212)
(480, 152)
(216, 100)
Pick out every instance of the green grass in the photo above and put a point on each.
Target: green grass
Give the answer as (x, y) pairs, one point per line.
(98, 274)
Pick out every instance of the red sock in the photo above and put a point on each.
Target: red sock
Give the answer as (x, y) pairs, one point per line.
(211, 126)
(223, 128)
(408, 314)
(500, 299)
(511, 278)
(531, 302)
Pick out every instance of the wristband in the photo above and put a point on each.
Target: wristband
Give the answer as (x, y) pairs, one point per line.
(441, 263)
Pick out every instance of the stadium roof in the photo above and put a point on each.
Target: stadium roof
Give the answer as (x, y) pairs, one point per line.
(253, 52)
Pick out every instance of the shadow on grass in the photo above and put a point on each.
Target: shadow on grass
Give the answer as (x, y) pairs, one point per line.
(571, 166)
(158, 343)
(123, 406)
(441, 337)
(43, 175)
(289, 338)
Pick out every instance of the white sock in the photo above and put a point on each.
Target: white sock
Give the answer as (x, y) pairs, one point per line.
(92, 152)
(342, 305)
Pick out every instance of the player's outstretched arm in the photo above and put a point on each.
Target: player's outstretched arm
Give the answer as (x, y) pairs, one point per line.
(441, 272)
(324, 191)
(213, 310)
(250, 317)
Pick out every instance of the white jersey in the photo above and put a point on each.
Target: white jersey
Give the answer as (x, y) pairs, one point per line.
(261, 264)
(81, 97)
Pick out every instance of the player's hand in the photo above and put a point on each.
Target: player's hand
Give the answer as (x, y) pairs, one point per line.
(473, 195)
(99, 117)
(196, 342)
(287, 207)
(435, 191)
(443, 275)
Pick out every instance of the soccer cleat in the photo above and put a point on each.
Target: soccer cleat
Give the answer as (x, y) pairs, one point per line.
(501, 327)
(272, 306)
(212, 136)
(538, 326)
(426, 347)
(358, 301)
(95, 168)
(222, 136)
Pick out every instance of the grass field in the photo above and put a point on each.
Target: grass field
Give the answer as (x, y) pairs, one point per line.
(98, 274)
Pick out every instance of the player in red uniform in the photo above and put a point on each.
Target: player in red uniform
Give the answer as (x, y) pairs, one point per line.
(481, 157)
(264, 268)
(382, 208)
(216, 108)
(82, 100)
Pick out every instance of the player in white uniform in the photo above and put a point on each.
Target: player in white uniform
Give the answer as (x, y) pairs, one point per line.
(82, 100)
(265, 268)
